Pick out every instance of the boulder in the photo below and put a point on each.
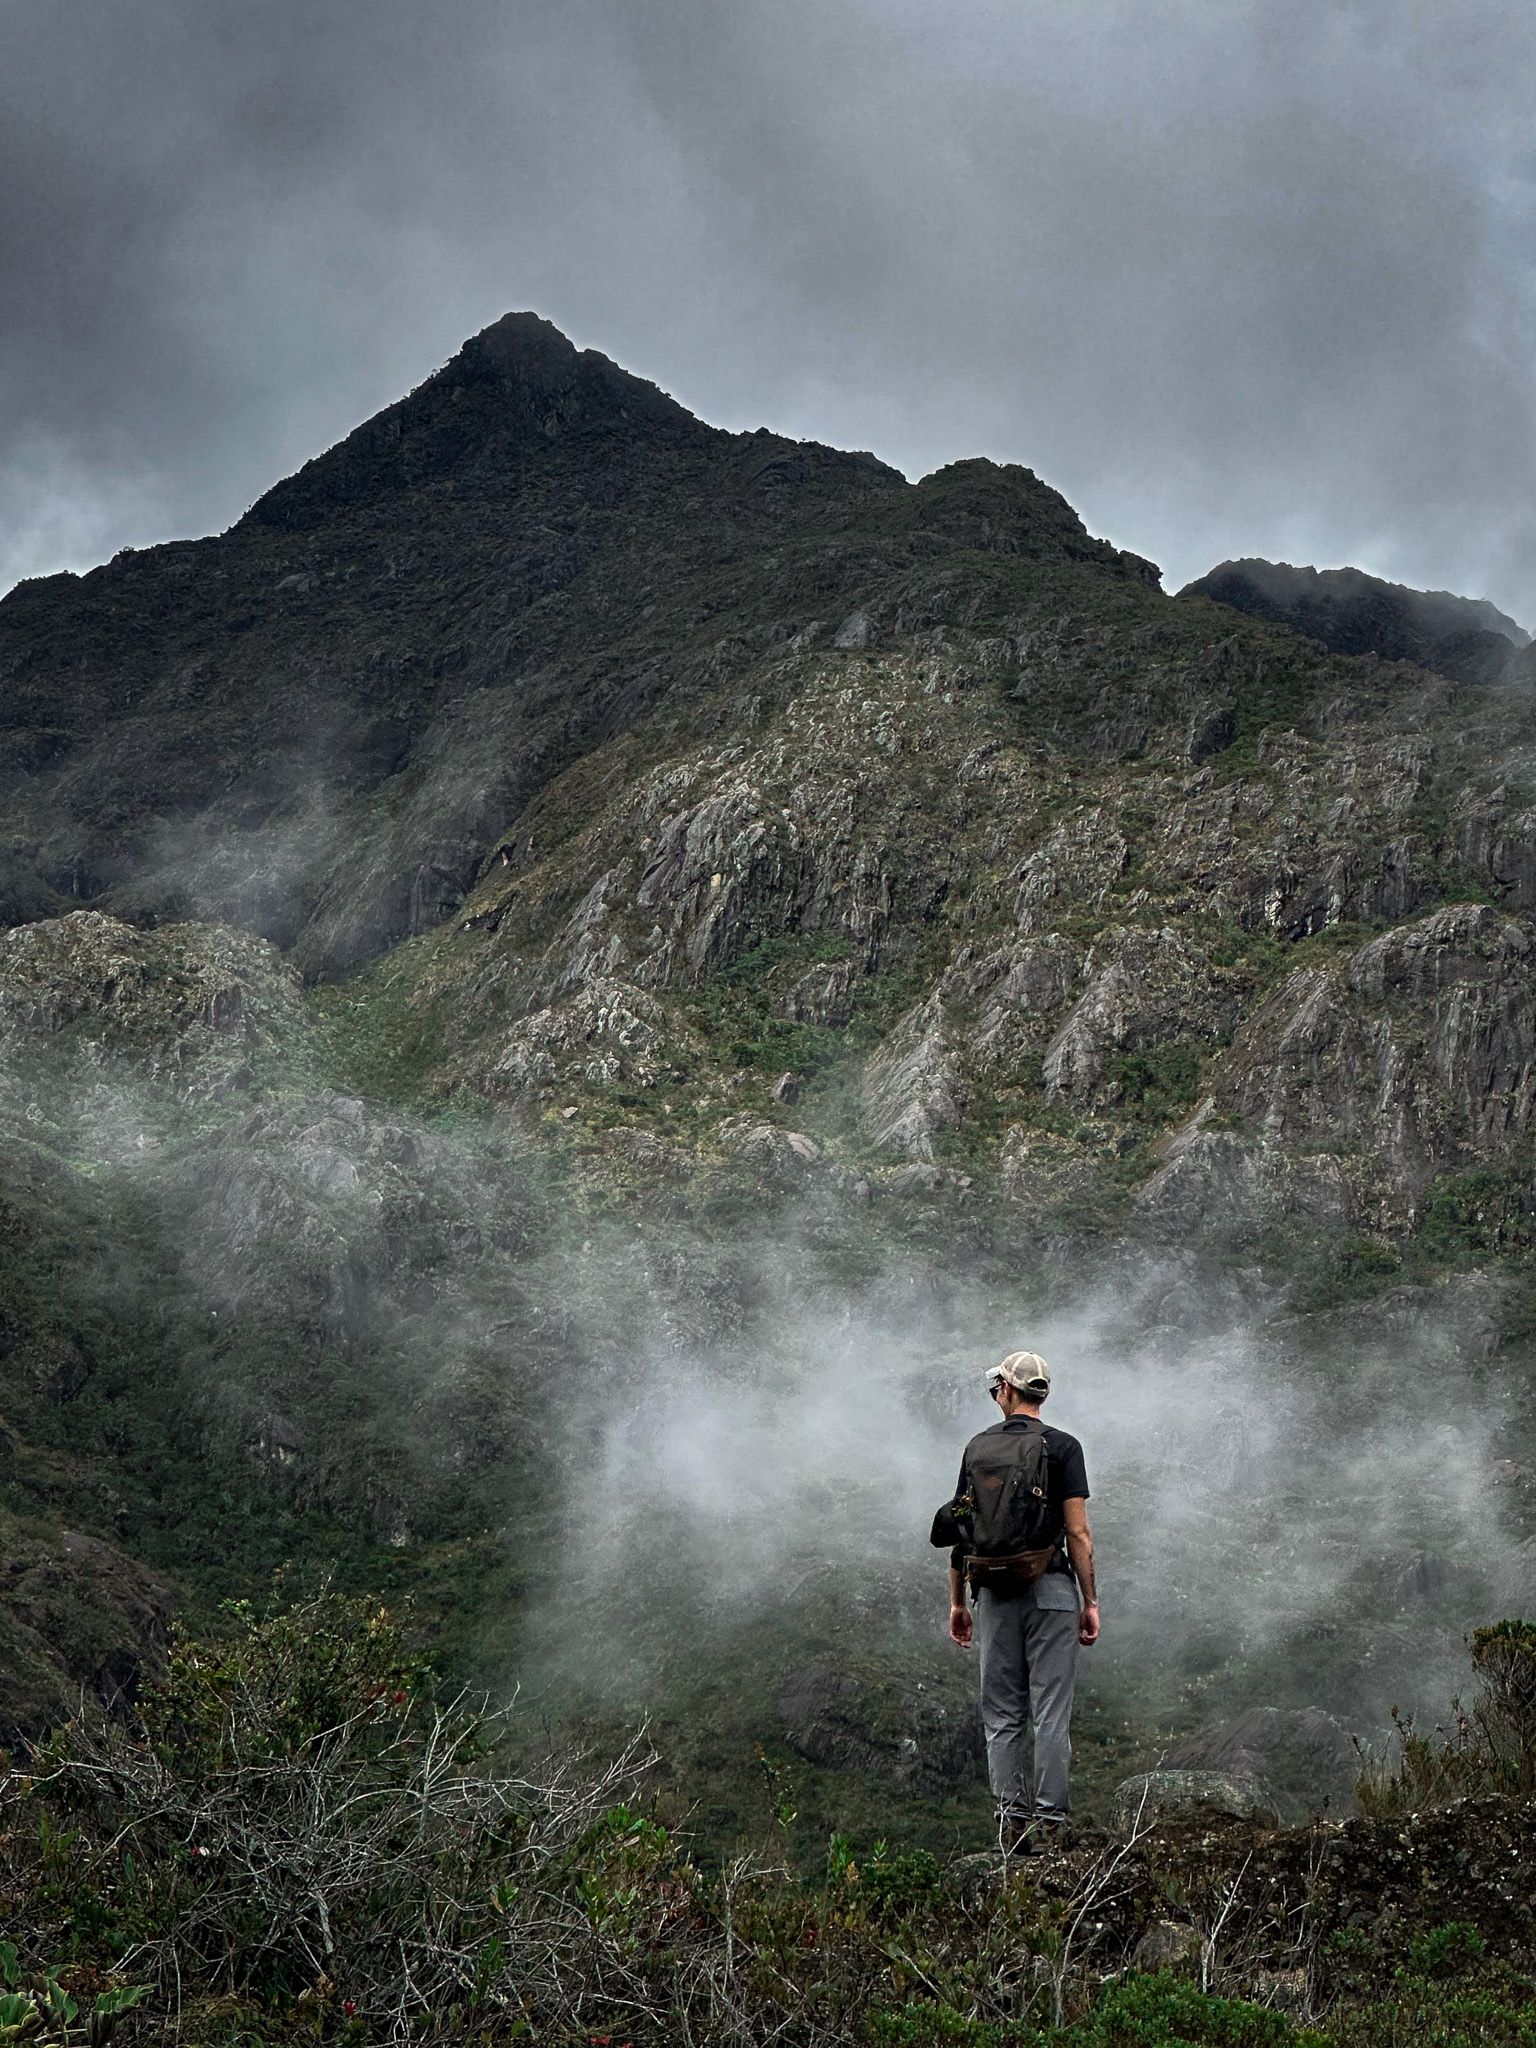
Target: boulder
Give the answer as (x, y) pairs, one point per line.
(75, 1615)
(1188, 1795)
(925, 1740)
(1168, 1945)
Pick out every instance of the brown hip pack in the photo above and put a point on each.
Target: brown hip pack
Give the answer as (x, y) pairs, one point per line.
(1008, 1574)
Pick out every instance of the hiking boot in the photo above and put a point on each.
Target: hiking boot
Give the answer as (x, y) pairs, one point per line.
(1034, 1836)
(1015, 1837)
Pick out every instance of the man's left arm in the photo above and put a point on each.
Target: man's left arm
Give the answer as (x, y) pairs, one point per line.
(1080, 1550)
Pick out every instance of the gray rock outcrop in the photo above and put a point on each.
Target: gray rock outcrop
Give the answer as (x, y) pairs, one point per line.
(1165, 1795)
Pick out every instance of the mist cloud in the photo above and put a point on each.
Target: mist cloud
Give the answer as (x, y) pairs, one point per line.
(1237, 280)
(698, 1437)
(1306, 1504)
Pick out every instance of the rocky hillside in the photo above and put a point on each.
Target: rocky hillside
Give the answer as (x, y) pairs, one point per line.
(566, 923)
(1465, 638)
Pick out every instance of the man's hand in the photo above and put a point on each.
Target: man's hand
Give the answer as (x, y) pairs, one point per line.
(960, 1625)
(1088, 1624)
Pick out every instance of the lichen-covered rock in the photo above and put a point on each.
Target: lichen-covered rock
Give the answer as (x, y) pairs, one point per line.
(823, 994)
(1142, 987)
(649, 1158)
(1496, 841)
(708, 869)
(1005, 1004)
(1156, 1798)
(1078, 863)
(605, 1031)
(767, 1147)
(1414, 1057)
(912, 1086)
(199, 1007)
(1169, 1945)
(1214, 1184)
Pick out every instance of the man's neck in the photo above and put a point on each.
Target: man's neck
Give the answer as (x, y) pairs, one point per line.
(1030, 1408)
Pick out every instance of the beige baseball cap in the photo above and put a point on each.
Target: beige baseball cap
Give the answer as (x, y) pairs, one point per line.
(1025, 1371)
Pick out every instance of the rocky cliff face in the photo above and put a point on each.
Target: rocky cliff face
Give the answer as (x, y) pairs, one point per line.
(559, 886)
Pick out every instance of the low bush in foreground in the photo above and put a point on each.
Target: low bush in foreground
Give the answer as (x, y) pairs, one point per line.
(300, 1840)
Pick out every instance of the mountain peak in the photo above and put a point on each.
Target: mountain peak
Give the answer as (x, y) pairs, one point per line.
(529, 359)
(524, 343)
(513, 388)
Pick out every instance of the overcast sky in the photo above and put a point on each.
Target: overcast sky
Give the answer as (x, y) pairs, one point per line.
(1237, 278)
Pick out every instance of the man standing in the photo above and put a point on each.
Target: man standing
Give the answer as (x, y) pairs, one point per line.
(1027, 1620)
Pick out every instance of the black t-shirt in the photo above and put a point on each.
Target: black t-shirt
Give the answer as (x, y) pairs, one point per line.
(1066, 1478)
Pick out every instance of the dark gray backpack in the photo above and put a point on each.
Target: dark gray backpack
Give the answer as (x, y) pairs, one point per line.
(1001, 1520)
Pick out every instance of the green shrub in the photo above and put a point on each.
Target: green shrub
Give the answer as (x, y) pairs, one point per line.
(1504, 1658)
(918, 2025)
(1477, 1215)
(1489, 1748)
(1158, 1083)
(1167, 2012)
(1446, 1951)
(75, 2007)
(895, 1882)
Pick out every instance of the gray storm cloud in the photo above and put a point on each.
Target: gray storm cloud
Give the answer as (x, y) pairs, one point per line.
(1238, 279)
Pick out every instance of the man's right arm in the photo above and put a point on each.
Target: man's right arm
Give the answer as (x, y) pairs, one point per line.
(959, 1613)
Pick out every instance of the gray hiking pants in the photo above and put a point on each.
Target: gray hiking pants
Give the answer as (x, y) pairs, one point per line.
(1028, 1669)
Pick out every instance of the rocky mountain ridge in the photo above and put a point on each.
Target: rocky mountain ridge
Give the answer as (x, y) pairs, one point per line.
(1352, 612)
(318, 723)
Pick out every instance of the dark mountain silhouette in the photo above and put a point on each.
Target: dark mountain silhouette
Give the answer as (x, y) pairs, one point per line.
(1465, 638)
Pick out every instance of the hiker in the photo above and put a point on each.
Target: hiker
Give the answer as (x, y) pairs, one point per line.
(1021, 1544)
